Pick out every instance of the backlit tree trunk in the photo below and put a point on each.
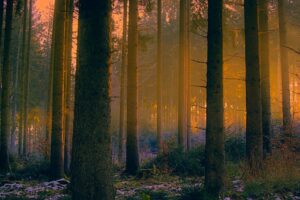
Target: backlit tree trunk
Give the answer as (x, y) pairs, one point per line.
(159, 77)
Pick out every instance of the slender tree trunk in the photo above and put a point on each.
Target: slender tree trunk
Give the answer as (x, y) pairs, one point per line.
(132, 156)
(286, 107)
(214, 148)
(254, 137)
(22, 76)
(57, 136)
(68, 82)
(188, 78)
(6, 89)
(159, 77)
(122, 85)
(181, 73)
(26, 83)
(265, 75)
(91, 159)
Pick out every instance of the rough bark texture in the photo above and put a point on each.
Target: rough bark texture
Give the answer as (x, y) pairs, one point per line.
(286, 107)
(254, 137)
(57, 136)
(265, 75)
(122, 85)
(6, 90)
(68, 82)
(159, 77)
(132, 155)
(181, 75)
(214, 149)
(91, 159)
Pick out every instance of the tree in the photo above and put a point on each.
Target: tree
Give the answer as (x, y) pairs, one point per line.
(56, 158)
(214, 148)
(159, 77)
(91, 153)
(122, 84)
(132, 156)
(68, 83)
(181, 75)
(254, 137)
(6, 90)
(188, 78)
(265, 75)
(286, 107)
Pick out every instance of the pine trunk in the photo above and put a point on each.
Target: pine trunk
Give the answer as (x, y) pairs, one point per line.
(214, 148)
(159, 77)
(6, 89)
(265, 75)
(132, 156)
(57, 133)
(254, 137)
(91, 153)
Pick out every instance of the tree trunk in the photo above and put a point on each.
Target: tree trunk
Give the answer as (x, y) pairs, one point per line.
(286, 107)
(132, 156)
(122, 86)
(91, 159)
(159, 77)
(26, 83)
(188, 78)
(265, 75)
(6, 89)
(214, 148)
(254, 137)
(57, 135)
(68, 86)
(181, 77)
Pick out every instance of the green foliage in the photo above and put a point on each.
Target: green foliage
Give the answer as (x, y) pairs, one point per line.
(150, 195)
(192, 193)
(179, 162)
(32, 168)
(235, 150)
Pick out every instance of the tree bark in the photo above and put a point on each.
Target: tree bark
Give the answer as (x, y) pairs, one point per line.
(6, 89)
(188, 78)
(286, 105)
(159, 77)
(57, 135)
(254, 137)
(122, 85)
(91, 158)
(132, 156)
(265, 75)
(214, 148)
(68, 86)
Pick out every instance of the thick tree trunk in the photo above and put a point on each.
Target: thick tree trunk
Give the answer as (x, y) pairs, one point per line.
(254, 137)
(6, 89)
(122, 85)
(159, 78)
(214, 148)
(265, 75)
(68, 86)
(91, 158)
(26, 138)
(181, 75)
(57, 136)
(286, 107)
(132, 154)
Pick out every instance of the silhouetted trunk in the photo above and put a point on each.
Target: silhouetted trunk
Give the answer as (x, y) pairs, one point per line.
(181, 77)
(188, 79)
(132, 154)
(286, 107)
(254, 137)
(214, 148)
(22, 76)
(122, 85)
(265, 75)
(57, 131)
(26, 82)
(91, 154)
(68, 82)
(6, 89)
(159, 77)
